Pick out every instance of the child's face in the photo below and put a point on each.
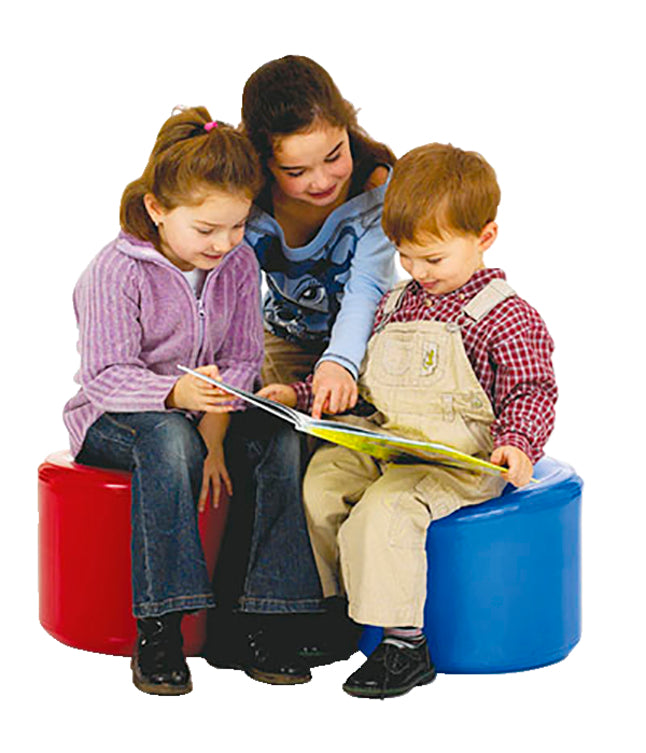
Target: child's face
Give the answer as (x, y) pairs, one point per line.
(201, 235)
(442, 266)
(313, 167)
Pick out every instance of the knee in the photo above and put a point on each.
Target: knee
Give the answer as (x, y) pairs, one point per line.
(175, 441)
(282, 453)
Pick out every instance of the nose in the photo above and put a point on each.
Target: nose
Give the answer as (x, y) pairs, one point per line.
(320, 179)
(419, 270)
(223, 243)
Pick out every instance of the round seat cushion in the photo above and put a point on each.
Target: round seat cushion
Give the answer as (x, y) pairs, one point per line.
(85, 593)
(504, 578)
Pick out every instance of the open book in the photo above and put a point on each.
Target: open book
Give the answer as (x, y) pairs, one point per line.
(377, 443)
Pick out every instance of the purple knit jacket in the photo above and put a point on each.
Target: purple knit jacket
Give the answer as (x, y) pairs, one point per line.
(138, 318)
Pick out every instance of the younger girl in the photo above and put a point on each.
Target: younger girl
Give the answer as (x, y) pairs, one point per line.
(177, 286)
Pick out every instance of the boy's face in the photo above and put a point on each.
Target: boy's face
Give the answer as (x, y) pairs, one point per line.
(442, 266)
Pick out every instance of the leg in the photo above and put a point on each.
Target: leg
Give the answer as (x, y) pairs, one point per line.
(285, 362)
(266, 459)
(384, 564)
(165, 453)
(265, 566)
(335, 480)
(382, 549)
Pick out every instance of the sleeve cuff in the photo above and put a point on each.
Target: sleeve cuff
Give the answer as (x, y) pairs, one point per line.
(519, 441)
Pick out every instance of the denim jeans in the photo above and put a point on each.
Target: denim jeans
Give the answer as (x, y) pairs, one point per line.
(165, 453)
(265, 564)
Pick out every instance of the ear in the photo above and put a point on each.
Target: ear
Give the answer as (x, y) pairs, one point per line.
(487, 236)
(154, 208)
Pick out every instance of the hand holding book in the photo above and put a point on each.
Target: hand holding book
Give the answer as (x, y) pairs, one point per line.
(379, 444)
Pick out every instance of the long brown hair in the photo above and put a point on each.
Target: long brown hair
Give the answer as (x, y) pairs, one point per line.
(289, 95)
(186, 161)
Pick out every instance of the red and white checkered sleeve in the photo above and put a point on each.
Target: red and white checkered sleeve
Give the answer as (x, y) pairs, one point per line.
(525, 390)
(304, 394)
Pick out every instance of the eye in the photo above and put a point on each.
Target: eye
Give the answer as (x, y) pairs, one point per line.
(203, 232)
(335, 158)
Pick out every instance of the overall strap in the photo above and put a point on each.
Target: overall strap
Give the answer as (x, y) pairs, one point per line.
(393, 301)
(487, 299)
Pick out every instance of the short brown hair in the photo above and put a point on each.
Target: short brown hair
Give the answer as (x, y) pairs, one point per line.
(438, 190)
(186, 161)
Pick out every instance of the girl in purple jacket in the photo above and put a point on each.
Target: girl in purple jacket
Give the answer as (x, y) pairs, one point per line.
(177, 286)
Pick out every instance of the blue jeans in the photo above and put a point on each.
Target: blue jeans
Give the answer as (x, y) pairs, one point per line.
(165, 453)
(265, 564)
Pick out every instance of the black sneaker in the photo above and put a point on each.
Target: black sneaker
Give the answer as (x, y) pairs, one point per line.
(394, 668)
(158, 665)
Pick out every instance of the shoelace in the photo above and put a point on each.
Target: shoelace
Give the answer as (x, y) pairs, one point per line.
(393, 659)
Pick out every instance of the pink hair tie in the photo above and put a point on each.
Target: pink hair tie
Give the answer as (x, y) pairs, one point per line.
(210, 126)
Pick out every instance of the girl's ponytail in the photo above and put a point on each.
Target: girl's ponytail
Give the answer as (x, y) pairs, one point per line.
(133, 215)
(192, 155)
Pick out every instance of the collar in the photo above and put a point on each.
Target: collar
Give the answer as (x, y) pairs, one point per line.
(480, 279)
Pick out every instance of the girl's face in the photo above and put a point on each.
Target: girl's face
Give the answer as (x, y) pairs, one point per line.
(314, 166)
(200, 235)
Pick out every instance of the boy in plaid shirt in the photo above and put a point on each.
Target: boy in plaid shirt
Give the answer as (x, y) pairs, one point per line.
(455, 357)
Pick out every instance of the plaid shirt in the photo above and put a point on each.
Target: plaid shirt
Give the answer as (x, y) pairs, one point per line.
(510, 353)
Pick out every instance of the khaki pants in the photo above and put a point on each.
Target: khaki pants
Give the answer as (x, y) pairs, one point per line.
(285, 362)
(368, 528)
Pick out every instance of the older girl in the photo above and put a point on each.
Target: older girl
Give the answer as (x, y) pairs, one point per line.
(316, 231)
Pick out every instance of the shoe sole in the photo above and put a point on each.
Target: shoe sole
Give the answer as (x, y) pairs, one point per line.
(159, 688)
(276, 679)
(388, 693)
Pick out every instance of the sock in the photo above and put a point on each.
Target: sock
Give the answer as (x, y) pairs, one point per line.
(408, 636)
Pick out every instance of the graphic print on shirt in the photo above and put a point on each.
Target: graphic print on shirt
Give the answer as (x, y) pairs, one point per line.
(304, 298)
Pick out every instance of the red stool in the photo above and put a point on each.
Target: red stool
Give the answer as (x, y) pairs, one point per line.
(84, 558)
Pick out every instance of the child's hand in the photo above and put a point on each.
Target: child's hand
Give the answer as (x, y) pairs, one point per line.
(520, 466)
(191, 393)
(335, 390)
(215, 474)
(281, 393)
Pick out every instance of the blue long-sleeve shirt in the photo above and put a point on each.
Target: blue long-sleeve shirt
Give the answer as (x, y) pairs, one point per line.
(323, 296)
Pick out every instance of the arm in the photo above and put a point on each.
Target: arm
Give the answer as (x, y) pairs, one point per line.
(113, 374)
(372, 273)
(213, 429)
(525, 390)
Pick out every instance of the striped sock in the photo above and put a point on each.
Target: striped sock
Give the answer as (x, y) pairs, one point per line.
(409, 636)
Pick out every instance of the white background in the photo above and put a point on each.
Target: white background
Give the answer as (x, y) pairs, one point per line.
(550, 93)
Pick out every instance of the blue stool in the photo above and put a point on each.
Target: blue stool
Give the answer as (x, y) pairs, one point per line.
(504, 579)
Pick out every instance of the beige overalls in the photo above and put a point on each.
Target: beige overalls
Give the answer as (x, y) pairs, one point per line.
(368, 520)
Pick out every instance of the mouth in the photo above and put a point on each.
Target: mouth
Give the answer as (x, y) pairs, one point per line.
(323, 194)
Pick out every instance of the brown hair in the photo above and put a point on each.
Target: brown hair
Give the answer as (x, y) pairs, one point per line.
(186, 161)
(438, 190)
(290, 95)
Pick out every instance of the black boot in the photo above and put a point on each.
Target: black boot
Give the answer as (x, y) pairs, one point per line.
(328, 637)
(260, 646)
(393, 668)
(158, 664)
